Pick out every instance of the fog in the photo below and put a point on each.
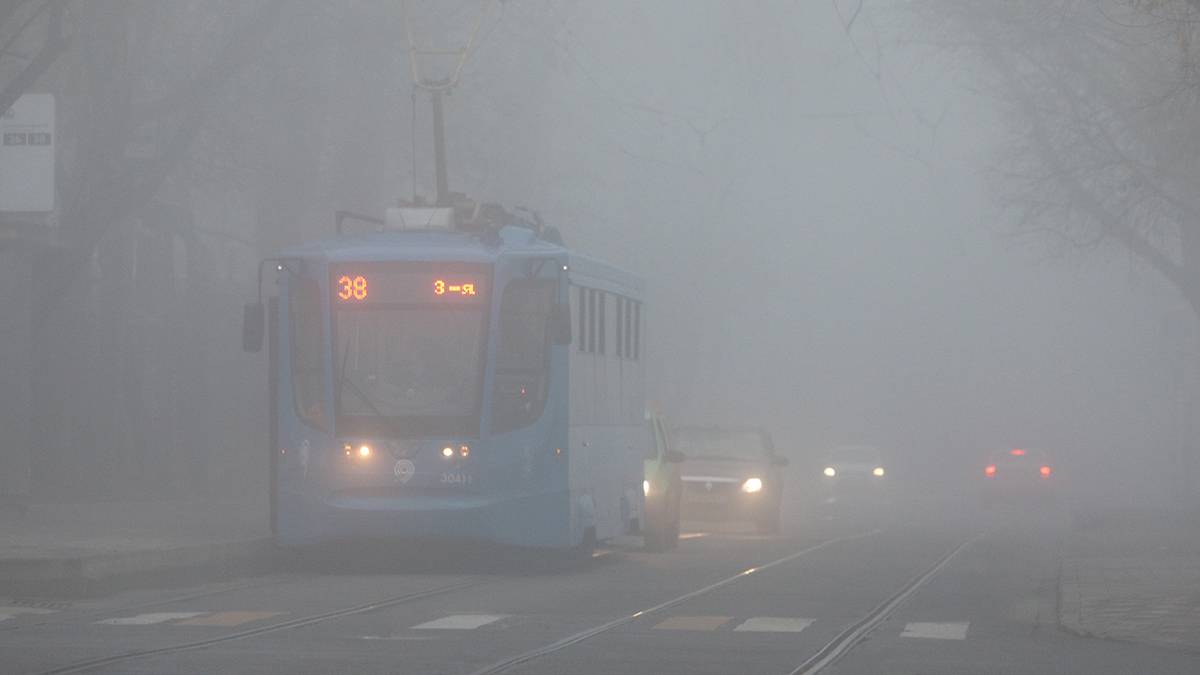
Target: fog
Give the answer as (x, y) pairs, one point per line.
(815, 193)
(899, 296)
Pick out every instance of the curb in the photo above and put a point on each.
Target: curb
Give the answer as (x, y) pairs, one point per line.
(1074, 620)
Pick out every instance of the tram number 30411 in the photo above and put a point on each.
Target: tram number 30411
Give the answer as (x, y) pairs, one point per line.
(456, 478)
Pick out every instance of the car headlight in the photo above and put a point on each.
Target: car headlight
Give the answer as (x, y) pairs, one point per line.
(829, 472)
(646, 488)
(752, 485)
(877, 471)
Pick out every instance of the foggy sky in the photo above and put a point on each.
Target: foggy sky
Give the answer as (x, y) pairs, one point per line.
(823, 259)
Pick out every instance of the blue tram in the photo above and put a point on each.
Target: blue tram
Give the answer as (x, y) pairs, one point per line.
(451, 382)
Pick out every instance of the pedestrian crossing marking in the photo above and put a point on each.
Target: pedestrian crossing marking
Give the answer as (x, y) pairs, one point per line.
(693, 622)
(936, 631)
(773, 624)
(460, 622)
(228, 618)
(148, 619)
(9, 612)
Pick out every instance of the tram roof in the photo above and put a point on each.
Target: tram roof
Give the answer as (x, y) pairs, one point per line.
(422, 245)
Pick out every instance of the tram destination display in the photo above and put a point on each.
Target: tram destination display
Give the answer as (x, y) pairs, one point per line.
(409, 283)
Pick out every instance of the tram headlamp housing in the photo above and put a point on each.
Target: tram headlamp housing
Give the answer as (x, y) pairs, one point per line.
(447, 452)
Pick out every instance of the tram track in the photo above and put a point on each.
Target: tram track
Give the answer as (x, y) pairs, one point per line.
(91, 613)
(830, 652)
(509, 663)
(824, 657)
(854, 633)
(91, 664)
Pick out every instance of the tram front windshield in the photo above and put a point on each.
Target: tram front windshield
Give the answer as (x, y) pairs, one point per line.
(408, 371)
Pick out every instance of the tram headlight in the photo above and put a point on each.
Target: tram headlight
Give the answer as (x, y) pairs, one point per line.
(752, 485)
(829, 472)
(447, 452)
(359, 451)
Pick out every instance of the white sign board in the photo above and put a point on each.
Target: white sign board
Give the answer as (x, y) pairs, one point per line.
(27, 155)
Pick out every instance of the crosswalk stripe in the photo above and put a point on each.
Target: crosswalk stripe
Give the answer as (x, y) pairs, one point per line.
(773, 624)
(693, 622)
(148, 619)
(228, 618)
(936, 631)
(7, 613)
(460, 622)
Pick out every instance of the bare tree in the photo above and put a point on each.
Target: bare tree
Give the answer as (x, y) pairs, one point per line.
(25, 24)
(1102, 99)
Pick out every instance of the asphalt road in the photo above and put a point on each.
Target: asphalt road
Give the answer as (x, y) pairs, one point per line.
(897, 589)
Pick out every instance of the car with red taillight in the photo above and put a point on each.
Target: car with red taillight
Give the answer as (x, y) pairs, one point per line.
(1018, 474)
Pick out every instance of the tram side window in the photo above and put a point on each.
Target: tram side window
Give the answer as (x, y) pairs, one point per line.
(521, 377)
(591, 320)
(583, 341)
(308, 338)
(637, 329)
(627, 334)
(620, 317)
(603, 312)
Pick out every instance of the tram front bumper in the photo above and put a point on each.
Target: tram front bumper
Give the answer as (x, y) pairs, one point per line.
(521, 520)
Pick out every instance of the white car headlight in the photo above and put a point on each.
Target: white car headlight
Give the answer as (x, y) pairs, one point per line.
(646, 488)
(877, 471)
(830, 472)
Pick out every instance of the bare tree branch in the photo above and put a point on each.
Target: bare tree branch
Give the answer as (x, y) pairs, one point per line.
(133, 190)
(53, 45)
(1079, 196)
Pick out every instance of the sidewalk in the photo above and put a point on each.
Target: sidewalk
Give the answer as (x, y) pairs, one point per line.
(1134, 577)
(73, 546)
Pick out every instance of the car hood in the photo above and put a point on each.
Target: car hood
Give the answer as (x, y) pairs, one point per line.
(723, 468)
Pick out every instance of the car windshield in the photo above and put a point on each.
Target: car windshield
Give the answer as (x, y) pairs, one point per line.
(855, 454)
(412, 363)
(720, 444)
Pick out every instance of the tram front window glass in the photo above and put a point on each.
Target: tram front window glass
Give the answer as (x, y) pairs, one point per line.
(408, 371)
(308, 368)
(521, 382)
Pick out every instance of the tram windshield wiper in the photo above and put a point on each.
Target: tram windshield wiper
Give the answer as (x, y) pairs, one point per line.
(344, 379)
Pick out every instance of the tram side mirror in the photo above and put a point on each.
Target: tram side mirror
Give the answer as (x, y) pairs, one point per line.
(675, 457)
(560, 323)
(253, 327)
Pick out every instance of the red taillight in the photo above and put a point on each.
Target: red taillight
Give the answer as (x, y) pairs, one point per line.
(1017, 452)
(990, 470)
(1045, 471)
